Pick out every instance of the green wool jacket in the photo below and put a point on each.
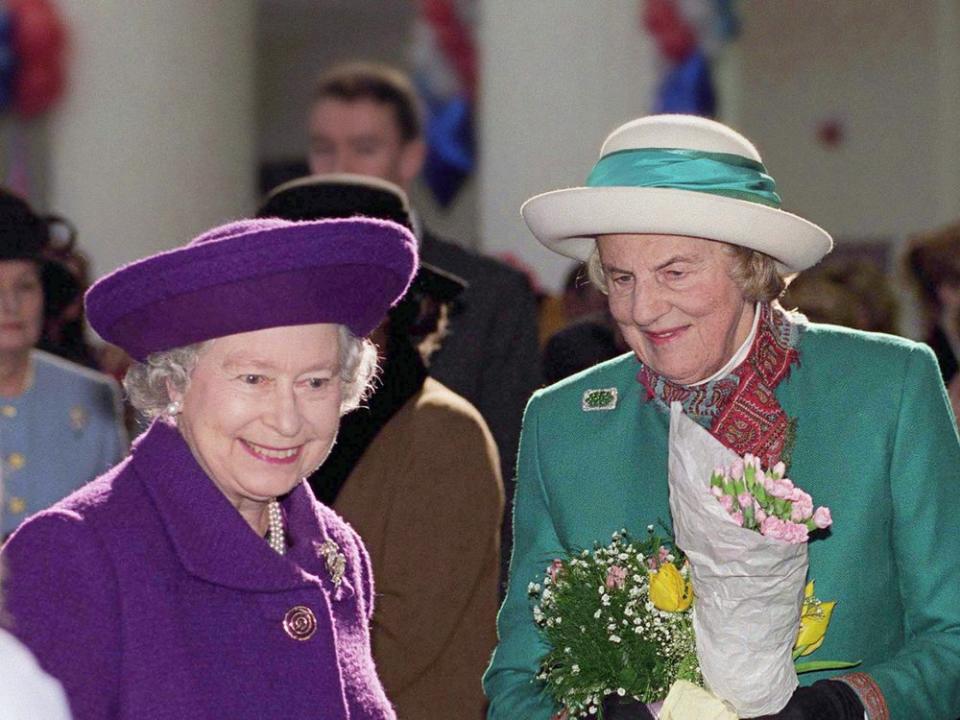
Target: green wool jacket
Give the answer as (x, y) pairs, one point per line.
(876, 442)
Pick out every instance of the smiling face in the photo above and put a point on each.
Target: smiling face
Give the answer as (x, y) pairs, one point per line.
(21, 306)
(262, 411)
(675, 302)
(362, 136)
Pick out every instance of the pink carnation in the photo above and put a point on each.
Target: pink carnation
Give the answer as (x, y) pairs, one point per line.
(745, 499)
(727, 502)
(800, 512)
(736, 470)
(554, 570)
(798, 495)
(663, 555)
(802, 506)
(821, 518)
(616, 576)
(654, 563)
(770, 525)
(781, 488)
(784, 530)
(798, 532)
(758, 512)
(737, 517)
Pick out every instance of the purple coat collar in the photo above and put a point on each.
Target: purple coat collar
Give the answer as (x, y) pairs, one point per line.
(212, 539)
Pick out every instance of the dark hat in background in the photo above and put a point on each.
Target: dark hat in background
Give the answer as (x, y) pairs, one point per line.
(255, 274)
(345, 195)
(26, 235)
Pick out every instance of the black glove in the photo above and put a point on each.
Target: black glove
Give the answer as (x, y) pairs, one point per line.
(623, 708)
(824, 700)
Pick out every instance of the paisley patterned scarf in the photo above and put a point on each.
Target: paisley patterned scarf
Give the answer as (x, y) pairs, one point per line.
(741, 409)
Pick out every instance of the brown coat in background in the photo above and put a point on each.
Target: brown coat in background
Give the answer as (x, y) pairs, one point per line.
(427, 499)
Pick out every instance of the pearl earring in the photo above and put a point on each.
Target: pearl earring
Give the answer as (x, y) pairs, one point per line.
(173, 408)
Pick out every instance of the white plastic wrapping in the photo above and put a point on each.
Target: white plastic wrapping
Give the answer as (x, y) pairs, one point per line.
(748, 588)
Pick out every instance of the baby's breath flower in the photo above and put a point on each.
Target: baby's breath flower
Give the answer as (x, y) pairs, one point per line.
(626, 621)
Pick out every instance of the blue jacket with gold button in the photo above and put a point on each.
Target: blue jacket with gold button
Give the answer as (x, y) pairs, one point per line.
(61, 432)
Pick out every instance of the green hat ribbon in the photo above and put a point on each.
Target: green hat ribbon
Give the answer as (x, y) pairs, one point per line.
(681, 169)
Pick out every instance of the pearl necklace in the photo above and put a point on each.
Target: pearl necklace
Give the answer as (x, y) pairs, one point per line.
(275, 536)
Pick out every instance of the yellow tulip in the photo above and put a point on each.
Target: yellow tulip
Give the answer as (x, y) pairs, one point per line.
(668, 590)
(814, 621)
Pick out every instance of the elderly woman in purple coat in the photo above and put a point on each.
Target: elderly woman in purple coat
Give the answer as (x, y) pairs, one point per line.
(200, 578)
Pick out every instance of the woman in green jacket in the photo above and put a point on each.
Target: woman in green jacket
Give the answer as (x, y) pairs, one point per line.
(681, 226)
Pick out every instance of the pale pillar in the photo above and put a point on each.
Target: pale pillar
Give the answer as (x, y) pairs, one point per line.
(155, 139)
(557, 78)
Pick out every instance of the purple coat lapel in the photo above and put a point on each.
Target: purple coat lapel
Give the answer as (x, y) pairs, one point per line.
(169, 606)
(210, 537)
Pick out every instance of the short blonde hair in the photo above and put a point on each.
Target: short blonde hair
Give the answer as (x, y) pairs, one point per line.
(146, 383)
(754, 272)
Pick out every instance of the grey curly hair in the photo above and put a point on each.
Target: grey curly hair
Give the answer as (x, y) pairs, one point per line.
(754, 272)
(146, 383)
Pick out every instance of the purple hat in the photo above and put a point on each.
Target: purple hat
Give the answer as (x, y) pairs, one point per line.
(255, 274)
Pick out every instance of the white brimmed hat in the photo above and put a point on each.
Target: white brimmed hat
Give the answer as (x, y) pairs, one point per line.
(677, 175)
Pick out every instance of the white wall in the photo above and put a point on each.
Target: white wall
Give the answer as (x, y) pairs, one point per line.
(558, 76)
(876, 72)
(154, 141)
(889, 73)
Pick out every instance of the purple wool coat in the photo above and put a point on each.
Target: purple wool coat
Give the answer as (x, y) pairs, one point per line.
(148, 596)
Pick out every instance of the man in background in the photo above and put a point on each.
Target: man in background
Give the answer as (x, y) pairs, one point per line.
(365, 119)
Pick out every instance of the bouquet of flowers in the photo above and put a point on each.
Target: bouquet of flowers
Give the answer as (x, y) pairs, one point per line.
(767, 502)
(618, 621)
(770, 504)
(744, 533)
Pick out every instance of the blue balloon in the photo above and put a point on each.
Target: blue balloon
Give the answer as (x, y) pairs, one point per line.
(688, 88)
(450, 145)
(8, 60)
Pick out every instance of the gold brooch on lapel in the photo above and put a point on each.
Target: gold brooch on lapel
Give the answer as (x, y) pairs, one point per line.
(335, 560)
(599, 399)
(78, 417)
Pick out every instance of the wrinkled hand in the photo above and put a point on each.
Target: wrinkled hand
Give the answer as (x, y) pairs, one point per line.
(620, 708)
(824, 700)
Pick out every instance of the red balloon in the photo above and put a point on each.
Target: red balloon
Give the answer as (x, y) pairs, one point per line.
(36, 87)
(39, 40)
(674, 37)
(37, 30)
